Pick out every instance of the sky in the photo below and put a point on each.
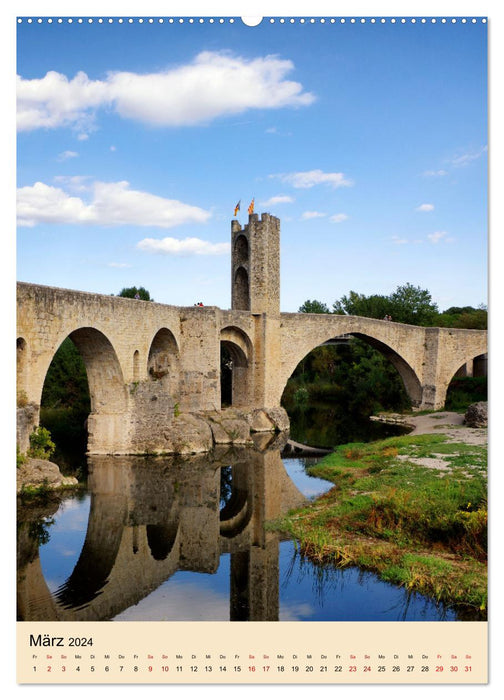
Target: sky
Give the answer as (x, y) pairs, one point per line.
(135, 141)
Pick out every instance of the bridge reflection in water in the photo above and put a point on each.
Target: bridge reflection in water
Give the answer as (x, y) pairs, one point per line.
(151, 517)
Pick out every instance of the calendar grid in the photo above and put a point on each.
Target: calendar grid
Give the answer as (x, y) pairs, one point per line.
(171, 653)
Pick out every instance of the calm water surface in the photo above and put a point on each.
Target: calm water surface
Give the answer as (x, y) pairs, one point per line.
(184, 539)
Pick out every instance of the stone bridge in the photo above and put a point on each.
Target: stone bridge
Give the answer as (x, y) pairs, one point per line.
(153, 366)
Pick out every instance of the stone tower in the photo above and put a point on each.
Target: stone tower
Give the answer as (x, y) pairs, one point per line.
(255, 265)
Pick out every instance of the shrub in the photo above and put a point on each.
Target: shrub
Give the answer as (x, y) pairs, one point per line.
(41, 445)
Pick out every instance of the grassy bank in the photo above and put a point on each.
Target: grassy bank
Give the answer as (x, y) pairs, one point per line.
(413, 509)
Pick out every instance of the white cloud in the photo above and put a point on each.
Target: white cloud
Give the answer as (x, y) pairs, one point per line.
(399, 241)
(310, 178)
(66, 155)
(213, 85)
(437, 236)
(425, 207)
(435, 173)
(75, 183)
(467, 158)
(278, 199)
(114, 264)
(338, 218)
(112, 204)
(42, 203)
(187, 246)
(312, 214)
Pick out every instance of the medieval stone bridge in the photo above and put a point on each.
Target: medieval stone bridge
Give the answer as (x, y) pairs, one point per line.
(148, 363)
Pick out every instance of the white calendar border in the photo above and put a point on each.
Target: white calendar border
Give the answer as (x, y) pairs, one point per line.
(260, 8)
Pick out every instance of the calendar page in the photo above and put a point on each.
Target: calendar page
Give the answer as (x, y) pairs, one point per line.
(251, 349)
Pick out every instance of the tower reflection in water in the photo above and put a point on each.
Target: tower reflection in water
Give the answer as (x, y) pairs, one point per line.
(152, 517)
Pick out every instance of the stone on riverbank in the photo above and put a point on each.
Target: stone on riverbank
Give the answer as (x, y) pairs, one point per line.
(476, 415)
(37, 473)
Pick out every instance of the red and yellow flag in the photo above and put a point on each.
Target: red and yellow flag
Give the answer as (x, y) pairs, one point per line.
(237, 208)
(251, 207)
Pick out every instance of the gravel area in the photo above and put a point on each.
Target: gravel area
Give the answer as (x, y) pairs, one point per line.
(450, 424)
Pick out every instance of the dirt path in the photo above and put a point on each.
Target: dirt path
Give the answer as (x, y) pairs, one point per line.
(450, 424)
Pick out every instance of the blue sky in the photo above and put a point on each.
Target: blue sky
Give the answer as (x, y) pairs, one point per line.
(368, 140)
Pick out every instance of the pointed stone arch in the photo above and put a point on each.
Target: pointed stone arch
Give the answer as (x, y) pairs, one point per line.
(164, 359)
(238, 347)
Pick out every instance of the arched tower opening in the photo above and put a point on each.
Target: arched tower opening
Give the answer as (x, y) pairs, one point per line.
(241, 250)
(241, 299)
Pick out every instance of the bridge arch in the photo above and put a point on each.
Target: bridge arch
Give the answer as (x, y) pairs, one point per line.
(236, 512)
(406, 372)
(164, 359)
(161, 539)
(236, 363)
(408, 376)
(472, 365)
(107, 392)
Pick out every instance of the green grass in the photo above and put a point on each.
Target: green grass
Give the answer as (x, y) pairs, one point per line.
(416, 526)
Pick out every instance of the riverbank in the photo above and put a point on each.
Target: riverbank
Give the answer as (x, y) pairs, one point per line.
(412, 509)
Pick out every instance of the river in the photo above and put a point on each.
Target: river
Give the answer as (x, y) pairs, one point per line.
(184, 538)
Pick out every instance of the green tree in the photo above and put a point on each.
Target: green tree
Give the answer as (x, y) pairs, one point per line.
(407, 304)
(130, 292)
(314, 307)
(66, 382)
(463, 317)
(374, 306)
(410, 304)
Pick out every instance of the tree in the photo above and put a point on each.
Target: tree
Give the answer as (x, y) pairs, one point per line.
(66, 383)
(463, 317)
(130, 293)
(374, 306)
(314, 307)
(409, 304)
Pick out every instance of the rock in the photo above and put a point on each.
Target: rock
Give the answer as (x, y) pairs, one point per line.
(260, 422)
(35, 473)
(229, 427)
(187, 434)
(476, 415)
(279, 417)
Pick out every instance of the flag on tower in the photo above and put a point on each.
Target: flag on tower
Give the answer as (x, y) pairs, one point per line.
(251, 207)
(237, 208)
